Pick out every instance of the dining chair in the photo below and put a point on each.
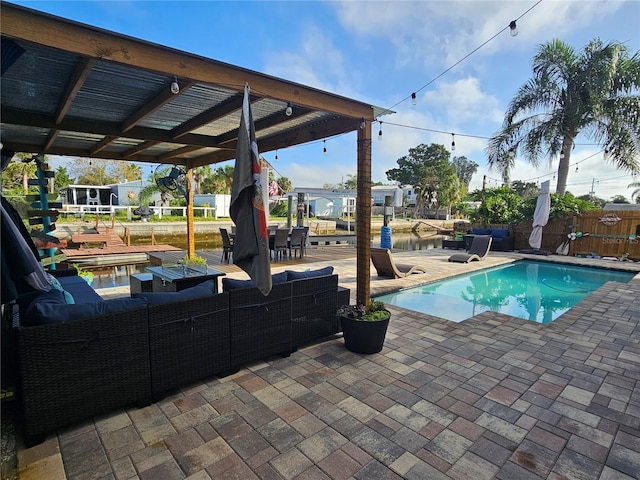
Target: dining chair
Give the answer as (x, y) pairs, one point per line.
(227, 245)
(280, 243)
(296, 242)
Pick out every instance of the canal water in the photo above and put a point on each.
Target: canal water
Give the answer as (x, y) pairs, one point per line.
(119, 276)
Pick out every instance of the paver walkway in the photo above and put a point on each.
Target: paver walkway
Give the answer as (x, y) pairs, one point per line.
(491, 397)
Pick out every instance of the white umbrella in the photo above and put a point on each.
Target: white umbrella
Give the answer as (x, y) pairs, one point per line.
(540, 216)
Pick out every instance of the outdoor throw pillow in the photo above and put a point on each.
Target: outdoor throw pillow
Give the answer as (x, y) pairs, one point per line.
(53, 281)
(203, 289)
(50, 308)
(321, 272)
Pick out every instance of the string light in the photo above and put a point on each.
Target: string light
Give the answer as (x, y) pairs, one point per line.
(562, 153)
(513, 28)
(453, 142)
(289, 110)
(414, 100)
(324, 150)
(362, 123)
(380, 133)
(276, 155)
(175, 88)
(576, 168)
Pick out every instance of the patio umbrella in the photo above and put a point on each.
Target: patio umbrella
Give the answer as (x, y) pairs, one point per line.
(247, 209)
(540, 215)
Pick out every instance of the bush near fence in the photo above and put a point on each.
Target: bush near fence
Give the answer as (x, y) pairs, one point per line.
(606, 239)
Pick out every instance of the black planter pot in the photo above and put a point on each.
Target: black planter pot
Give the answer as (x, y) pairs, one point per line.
(364, 337)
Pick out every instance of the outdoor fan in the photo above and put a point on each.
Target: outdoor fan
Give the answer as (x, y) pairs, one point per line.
(173, 184)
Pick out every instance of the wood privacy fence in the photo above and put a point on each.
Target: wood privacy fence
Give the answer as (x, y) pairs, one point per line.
(610, 234)
(607, 233)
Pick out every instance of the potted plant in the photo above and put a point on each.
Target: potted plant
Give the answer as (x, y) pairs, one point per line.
(196, 262)
(86, 275)
(364, 329)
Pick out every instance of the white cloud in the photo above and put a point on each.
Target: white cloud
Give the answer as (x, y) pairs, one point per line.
(464, 101)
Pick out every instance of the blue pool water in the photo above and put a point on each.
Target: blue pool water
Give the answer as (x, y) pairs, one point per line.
(536, 291)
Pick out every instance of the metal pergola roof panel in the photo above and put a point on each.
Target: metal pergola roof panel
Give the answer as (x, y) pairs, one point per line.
(61, 76)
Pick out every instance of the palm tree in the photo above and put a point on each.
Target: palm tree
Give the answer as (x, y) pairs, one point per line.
(636, 193)
(595, 92)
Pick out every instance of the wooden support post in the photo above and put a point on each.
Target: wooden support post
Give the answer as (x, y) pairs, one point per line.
(363, 216)
(191, 241)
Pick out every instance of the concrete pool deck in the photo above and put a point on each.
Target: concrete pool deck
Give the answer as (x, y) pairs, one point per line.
(490, 397)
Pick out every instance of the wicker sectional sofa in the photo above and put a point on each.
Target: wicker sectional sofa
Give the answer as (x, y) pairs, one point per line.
(72, 370)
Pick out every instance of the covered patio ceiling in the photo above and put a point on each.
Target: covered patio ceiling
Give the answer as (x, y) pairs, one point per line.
(75, 90)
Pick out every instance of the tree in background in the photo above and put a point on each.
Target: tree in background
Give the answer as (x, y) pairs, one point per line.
(219, 181)
(284, 185)
(465, 169)
(125, 171)
(351, 183)
(619, 199)
(91, 171)
(199, 175)
(596, 201)
(432, 175)
(62, 178)
(525, 189)
(594, 92)
(15, 178)
(498, 206)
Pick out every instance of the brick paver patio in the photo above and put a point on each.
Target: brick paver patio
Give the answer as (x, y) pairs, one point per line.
(491, 397)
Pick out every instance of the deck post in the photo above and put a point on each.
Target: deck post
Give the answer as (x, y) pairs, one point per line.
(363, 215)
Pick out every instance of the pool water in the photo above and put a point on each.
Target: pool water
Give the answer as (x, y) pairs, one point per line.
(536, 291)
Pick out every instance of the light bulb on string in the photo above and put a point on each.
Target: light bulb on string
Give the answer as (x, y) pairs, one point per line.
(276, 156)
(606, 153)
(324, 150)
(576, 168)
(362, 123)
(414, 100)
(562, 153)
(513, 29)
(289, 110)
(453, 142)
(380, 133)
(175, 88)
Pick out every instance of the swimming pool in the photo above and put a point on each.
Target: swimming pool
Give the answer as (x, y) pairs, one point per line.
(532, 290)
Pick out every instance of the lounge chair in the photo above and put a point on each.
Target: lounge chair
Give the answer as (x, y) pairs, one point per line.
(477, 251)
(386, 267)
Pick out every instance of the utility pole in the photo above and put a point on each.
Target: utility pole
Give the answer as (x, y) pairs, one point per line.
(592, 192)
(484, 182)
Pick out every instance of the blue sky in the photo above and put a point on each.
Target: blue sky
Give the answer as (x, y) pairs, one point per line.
(380, 52)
